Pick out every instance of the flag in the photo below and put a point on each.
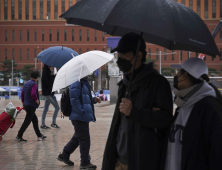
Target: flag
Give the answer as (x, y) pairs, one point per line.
(201, 56)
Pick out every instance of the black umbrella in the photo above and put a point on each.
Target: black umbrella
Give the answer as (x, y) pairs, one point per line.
(163, 22)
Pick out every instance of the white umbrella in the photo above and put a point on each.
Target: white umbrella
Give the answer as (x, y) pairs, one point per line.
(1, 89)
(79, 67)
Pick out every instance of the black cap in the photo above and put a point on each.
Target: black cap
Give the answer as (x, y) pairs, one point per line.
(129, 42)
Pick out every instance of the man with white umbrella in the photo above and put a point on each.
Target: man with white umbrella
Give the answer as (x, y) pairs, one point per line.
(82, 113)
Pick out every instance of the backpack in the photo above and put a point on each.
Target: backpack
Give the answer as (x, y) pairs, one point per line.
(65, 104)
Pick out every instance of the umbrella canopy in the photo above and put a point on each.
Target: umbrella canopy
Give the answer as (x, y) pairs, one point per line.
(56, 56)
(79, 67)
(163, 22)
(1, 89)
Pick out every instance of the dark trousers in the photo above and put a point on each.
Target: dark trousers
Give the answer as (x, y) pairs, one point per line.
(30, 117)
(80, 138)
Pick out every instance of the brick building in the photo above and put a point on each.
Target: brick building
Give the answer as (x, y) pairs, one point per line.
(28, 26)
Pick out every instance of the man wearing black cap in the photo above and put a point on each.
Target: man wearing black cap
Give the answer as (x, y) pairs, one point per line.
(139, 123)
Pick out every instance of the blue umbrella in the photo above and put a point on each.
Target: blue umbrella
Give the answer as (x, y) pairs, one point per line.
(56, 56)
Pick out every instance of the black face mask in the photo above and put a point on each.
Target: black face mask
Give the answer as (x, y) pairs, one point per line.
(175, 81)
(124, 65)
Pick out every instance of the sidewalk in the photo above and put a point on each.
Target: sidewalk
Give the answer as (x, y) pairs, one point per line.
(42, 155)
(33, 155)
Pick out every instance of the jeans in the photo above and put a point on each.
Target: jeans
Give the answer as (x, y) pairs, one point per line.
(30, 117)
(80, 138)
(50, 99)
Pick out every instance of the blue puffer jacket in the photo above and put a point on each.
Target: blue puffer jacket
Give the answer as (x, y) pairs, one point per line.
(81, 101)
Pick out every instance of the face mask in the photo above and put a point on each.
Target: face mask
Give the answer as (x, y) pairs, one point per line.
(124, 65)
(175, 81)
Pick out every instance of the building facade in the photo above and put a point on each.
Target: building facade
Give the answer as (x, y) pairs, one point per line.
(29, 26)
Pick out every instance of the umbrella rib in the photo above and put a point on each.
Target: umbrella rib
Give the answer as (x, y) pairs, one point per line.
(85, 64)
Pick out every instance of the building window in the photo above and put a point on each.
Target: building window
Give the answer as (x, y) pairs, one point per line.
(157, 54)
(12, 9)
(41, 9)
(65, 35)
(149, 51)
(50, 35)
(20, 9)
(87, 50)
(165, 54)
(103, 36)
(220, 54)
(212, 58)
(34, 9)
(80, 51)
(13, 54)
(87, 34)
(191, 4)
(27, 54)
(20, 54)
(70, 3)
(27, 35)
(95, 34)
(35, 35)
(63, 6)
(198, 7)
(205, 57)
(20, 35)
(80, 35)
(6, 54)
(72, 34)
(6, 35)
(205, 8)
(57, 35)
(48, 9)
(188, 54)
(220, 8)
(196, 55)
(5, 9)
(183, 2)
(13, 35)
(42, 35)
(35, 53)
(77, 1)
(27, 9)
(172, 55)
(213, 8)
(56, 9)
(181, 55)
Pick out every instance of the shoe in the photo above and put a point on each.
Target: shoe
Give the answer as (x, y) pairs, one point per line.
(55, 125)
(45, 127)
(66, 161)
(21, 139)
(42, 138)
(87, 166)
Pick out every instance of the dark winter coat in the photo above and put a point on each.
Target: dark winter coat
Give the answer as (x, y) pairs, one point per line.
(202, 137)
(47, 81)
(146, 127)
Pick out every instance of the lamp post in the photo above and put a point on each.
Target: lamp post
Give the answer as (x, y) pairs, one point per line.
(160, 54)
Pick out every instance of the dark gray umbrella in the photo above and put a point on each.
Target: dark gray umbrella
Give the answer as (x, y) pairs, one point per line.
(163, 22)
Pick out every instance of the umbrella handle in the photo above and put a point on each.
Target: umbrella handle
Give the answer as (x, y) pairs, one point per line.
(136, 55)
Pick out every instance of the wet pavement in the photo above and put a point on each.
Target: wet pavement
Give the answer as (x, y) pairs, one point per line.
(33, 155)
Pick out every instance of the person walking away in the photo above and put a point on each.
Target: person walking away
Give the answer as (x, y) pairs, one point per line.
(30, 101)
(195, 137)
(140, 123)
(82, 113)
(47, 83)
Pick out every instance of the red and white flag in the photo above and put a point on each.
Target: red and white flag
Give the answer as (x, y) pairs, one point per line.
(201, 56)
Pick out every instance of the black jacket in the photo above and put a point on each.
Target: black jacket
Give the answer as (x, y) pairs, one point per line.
(146, 128)
(47, 81)
(202, 137)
